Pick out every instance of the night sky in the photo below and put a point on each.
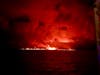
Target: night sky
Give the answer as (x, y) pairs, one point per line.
(37, 23)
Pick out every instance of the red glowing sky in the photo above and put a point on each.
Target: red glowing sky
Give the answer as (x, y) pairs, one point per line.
(63, 20)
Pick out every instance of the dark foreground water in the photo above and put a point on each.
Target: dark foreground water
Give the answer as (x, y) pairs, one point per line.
(55, 62)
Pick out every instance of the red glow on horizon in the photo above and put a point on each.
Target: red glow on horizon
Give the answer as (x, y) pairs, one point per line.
(51, 48)
(52, 25)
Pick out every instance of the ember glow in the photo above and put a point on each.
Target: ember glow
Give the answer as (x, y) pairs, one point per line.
(48, 47)
(51, 48)
(65, 40)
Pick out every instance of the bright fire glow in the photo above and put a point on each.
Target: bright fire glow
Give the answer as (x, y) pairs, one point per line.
(71, 49)
(48, 48)
(64, 40)
(51, 48)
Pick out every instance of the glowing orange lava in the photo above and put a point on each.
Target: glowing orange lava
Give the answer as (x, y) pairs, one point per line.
(51, 48)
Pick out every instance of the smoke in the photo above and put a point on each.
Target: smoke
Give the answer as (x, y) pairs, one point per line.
(32, 22)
